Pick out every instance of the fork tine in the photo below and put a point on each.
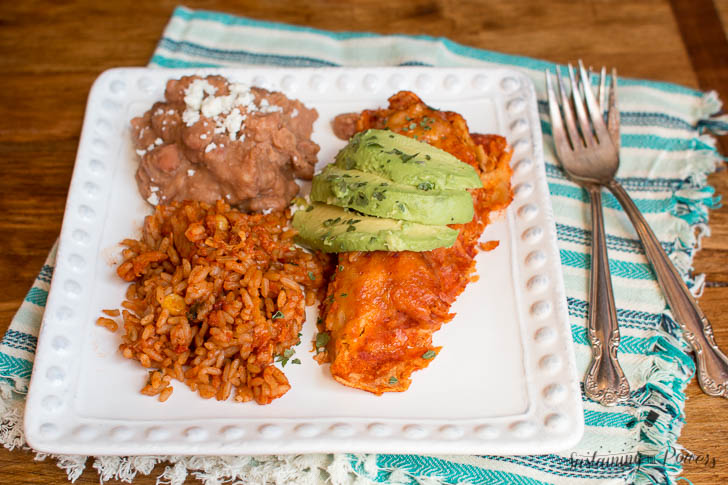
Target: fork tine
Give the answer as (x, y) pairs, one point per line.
(613, 113)
(586, 130)
(576, 141)
(561, 141)
(595, 113)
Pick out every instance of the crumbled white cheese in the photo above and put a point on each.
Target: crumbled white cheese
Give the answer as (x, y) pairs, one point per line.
(150, 147)
(203, 136)
(267, 211)
(233, 122)
(210, 147)
(242, 137)
(141, 153)
(153, 199)
(190, 172)
(159, 111)
(190, 117)
(229, 112)
(294, 113)
(154, 188)
(171, 112)
(266, 107)
(158, 141)
(195, 93)
(227, 196)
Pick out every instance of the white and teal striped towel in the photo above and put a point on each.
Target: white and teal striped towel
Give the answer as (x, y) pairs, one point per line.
(665, 160)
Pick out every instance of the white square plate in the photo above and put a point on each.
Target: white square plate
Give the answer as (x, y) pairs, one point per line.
(504, 383)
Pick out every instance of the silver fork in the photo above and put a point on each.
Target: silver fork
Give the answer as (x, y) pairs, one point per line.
(712, 364)
(589, 157)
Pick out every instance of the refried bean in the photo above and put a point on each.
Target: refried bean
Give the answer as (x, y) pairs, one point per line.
(211, 139)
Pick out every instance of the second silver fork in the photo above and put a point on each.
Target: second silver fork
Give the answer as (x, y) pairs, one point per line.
(589, 157)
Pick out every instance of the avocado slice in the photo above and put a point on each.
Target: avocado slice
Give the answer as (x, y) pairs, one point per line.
(405, 160)
(334, 229)
(374, 195)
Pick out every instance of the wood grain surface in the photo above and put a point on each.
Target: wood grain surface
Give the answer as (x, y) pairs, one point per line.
(50, 53)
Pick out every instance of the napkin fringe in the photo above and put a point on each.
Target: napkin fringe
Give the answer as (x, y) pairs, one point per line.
(662, 401)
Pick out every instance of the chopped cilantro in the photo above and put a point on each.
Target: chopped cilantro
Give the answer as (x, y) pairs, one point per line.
(322, 339)
(311, 276)
(350, 229)
(378, 195)
(361, 199)
(341, 268)
(412, 126)
(374, 145)
(344, 295)
(427, 157)
(309, 208)
(283, 358)
(296, 361)
(393, 380)
(429, 354)
(426, 186)
(406, 158)
(277, 315)
(331, 222)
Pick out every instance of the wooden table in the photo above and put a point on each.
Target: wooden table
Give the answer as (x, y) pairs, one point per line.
(50, 53)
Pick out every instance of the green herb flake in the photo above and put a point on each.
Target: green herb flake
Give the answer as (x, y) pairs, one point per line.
(393, 380)
(331, 222)
(427, 157)
(344, 295)
(331, 298)
(277, 315)
(406, 158)
(309, 208)
(412, 126)
(426, 186)
(429, 354)
(322, 339)
(341, 268)
(378, 195)
(350, 229)
(361, 199)
(283, 358)
(374, 145)
(296, 361)
(401, 207)
(311, 276)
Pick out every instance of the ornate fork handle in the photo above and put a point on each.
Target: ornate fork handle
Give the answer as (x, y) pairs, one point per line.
(605, 381)
(712, 364)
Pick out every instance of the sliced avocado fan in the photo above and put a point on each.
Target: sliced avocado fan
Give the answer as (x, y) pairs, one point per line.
(374, 195)
(335, 229)
(405, 160)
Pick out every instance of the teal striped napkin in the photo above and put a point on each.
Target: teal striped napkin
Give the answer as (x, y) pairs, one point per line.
(665, 160)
